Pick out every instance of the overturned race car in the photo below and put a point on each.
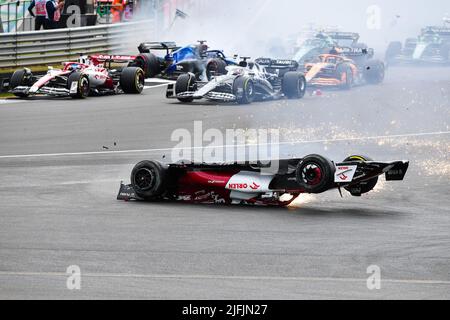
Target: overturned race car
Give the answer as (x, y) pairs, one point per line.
(261, 80)
(258, 183)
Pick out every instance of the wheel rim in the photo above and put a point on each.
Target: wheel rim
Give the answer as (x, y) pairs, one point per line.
(250, 89)
(144, 179)
(312, 174)
(301, 85)
(140, 81)
(84, 87)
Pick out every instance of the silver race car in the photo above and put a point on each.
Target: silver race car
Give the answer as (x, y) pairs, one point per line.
(261, 80)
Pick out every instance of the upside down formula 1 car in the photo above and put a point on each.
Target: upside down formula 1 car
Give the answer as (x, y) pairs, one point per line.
(89, 75)
(254, 183)
(249, 81)
(196, 59)
(340, 71)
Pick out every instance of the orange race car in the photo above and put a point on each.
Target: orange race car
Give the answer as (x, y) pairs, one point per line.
(344, 69)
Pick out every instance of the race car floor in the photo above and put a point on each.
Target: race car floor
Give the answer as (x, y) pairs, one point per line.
(61, 162)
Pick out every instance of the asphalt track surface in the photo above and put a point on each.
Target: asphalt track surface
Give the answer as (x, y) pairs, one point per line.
(60, 210)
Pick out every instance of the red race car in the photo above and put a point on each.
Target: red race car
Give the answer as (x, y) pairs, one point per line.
(256, 183)
(89, 75)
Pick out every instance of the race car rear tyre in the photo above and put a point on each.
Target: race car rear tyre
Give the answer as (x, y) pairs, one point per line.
(83, 88)
(185, 83)
(365, 186)
(315, 174)
(148, 179)
(344, 70)
(132, 80)
(294, 85)
(244, 90)
(215, 67)
(20, 78)
(374, 72)
(149, 63)
(393, 50)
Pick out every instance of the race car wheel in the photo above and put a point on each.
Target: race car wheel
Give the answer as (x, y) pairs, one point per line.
(20, 77)
(215, 67)
(365, 186)
(148, 179)
(294, 85)
(345, 74)
(394, 49)
(374, 72)
(149, 63)
(315, 174)
(82, 88)
(132, 80)
(244, 90)
(185, 83)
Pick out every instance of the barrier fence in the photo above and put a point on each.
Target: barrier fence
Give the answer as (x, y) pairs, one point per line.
(55, 46)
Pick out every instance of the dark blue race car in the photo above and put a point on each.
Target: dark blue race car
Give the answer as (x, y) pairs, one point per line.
(196, 59)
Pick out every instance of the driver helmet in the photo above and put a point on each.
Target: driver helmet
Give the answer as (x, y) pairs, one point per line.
(73, 66)
(334, 51)
(84, 60)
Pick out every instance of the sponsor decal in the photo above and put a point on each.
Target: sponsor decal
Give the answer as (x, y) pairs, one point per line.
(283, 62)
(216, 181)
(344, 173)
(237, 186)
(74, 87)
(243, 186)
(255, 186)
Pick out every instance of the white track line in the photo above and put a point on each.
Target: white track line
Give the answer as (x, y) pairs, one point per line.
(292, 143)
(6, 101)
(219, 277)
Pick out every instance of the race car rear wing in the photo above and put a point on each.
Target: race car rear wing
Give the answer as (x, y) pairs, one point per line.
(343, 35)
(112, 58)
(145, 47)
(277, 65)
(442, 31)
(355, 171)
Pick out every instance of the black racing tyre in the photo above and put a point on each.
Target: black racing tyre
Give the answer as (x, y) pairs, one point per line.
(294, 85)
(215, 67)
(315, 174)
(244, 90)
(20, 78)
(148, 179)
(344, 70)
(149, 63)
(82, 89)
(374, 71)
(185, 82)
(132, 80)
(365, 186)
(394, 49)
